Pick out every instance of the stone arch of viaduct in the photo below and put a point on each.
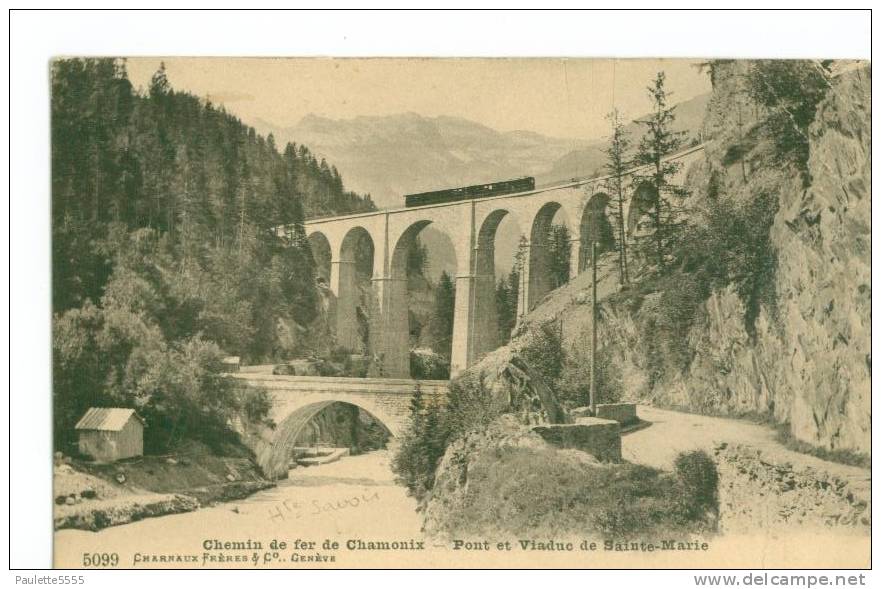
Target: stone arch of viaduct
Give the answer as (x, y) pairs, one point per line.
(471, 227)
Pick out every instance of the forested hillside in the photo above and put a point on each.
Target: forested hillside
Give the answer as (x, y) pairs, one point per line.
(165, 255)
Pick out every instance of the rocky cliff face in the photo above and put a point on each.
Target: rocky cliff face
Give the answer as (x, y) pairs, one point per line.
(822, 236)
(809, 361)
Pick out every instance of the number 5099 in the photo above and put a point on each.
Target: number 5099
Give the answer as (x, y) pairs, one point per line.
(102, 559)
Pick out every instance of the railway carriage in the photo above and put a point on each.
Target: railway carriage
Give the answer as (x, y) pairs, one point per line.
(502, 187)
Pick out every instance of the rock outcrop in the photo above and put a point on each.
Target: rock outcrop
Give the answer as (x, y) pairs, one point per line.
(822, 236)
(467, 458)
(808, 363)
(759, 492)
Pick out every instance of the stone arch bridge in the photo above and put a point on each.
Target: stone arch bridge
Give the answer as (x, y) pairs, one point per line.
(298, 399)
(385, 236)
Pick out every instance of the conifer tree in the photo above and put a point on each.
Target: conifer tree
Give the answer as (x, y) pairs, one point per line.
(507, 291)
(559, 255)
(159, 85)
(617, 165)
(442, 321)
(660, 140)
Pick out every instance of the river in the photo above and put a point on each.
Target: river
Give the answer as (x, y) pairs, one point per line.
(348, 499)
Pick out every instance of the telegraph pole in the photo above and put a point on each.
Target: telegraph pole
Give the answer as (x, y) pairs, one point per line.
(593, 329)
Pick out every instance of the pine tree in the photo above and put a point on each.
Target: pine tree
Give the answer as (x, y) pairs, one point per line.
(617, 165)
(521, 255)
(513, 295)
(442, 321)
(196, 176)
(417, 408)
(417, 258)
(659, 141)
(507, 290)
(559, 255)
(521, 259)
(433, 442)
(159, 85)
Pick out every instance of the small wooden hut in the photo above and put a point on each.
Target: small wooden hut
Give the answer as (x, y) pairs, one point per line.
(108, 434)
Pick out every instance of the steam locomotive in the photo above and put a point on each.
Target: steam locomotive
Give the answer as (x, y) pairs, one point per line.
(468, 192)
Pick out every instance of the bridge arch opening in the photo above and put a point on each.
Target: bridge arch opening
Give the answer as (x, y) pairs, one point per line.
(549, 253)
(354, 290)
(322, 255)
(419, 308)
(596, 227)
(496, 282)
(297, 429)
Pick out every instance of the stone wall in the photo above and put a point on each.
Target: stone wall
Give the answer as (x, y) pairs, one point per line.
(760, 492)
(623, 413)
(600, 438)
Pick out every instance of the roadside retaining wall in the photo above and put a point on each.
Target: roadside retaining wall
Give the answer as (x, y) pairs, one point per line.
(758, 491)
(598, 437)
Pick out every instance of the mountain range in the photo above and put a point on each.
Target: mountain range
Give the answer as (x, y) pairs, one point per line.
(389, 156)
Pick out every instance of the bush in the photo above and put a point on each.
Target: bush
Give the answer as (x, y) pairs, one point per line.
(357, 366)
(730, 246)
(422, 446)
(791, 91)
(544, 352)
(330, 367)
(256, 404)
(427, 365)
(471, 406)
(544, 491)
(666, 328)
(339, 354)
(433, 426)
(567, 373)
(573, 385)
(733, 246)
(699, 480)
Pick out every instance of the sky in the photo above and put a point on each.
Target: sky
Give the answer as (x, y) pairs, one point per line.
(557, 97)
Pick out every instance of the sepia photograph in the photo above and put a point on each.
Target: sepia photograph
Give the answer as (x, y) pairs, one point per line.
(460, 312)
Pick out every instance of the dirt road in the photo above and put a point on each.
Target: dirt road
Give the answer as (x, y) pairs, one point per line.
(672, 432)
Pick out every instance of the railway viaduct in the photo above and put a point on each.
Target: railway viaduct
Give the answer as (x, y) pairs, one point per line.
(471, 227)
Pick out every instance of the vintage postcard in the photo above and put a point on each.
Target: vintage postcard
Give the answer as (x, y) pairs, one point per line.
(459, 313)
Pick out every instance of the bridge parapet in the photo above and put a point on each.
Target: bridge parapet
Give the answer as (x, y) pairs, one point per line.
(340, 383)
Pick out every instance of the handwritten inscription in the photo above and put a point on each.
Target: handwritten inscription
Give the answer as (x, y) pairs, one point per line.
(291, 509)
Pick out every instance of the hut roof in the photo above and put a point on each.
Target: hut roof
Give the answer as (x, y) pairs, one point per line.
(111, 419)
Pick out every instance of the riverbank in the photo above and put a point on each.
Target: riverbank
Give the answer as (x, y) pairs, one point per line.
(351, 498)
(93, 496)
